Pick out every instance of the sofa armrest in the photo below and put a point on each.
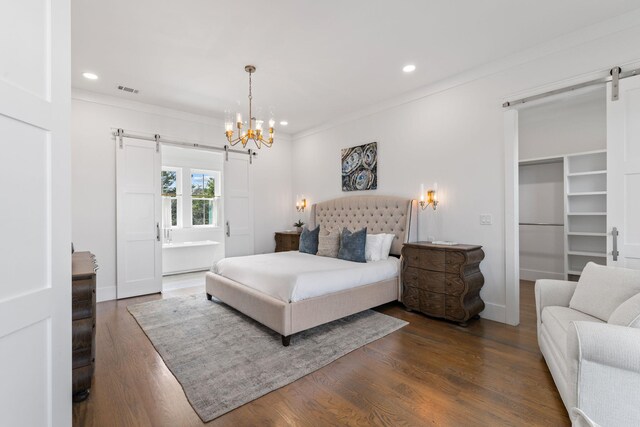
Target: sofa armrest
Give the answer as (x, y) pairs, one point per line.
(552, 293)
(604, 367)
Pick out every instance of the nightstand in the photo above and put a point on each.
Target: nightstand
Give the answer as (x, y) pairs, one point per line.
(443, 281)
(287, 241)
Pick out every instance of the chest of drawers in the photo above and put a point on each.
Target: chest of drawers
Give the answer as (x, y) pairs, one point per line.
(443, 281)
(83, 329)
(287, 241)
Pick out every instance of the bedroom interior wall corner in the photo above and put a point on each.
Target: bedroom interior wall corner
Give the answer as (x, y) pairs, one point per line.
(455, 137)
(93, 116)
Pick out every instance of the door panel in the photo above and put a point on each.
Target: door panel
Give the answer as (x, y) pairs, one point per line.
(238, 206)
(623, 173)
(35, 255)
(139, 247)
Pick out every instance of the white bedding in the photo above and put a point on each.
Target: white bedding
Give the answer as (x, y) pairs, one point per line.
(295, 276)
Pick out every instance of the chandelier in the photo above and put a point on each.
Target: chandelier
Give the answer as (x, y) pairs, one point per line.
(256, 135)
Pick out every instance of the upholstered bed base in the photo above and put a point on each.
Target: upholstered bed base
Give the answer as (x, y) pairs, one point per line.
(380, 214)
(289, 318)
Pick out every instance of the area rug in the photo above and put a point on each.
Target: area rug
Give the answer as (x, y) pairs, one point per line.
(223, 359)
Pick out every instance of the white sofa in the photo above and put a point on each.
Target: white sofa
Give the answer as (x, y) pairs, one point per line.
(589, 335)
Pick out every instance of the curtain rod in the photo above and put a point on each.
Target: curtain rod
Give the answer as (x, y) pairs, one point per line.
(615, 74)
(120, 133)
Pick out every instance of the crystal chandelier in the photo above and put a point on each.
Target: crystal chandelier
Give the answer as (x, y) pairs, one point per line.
(244, 136)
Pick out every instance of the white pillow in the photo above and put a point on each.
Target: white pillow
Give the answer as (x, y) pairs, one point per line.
(386, 245)
(373, 247)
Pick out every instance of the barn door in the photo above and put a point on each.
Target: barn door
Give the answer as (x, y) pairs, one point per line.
(238, 205)
(139, 245)
(623, 175)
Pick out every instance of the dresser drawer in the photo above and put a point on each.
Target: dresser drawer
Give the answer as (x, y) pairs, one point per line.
(454, 285)
(453, 308)
(434, 281)
(428, 259)
(411, 297)
(454, 262)
(432, 303)
(411, 277)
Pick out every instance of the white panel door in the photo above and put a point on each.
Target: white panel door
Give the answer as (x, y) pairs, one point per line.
(238, 205)
(35, 254)
(139, 207)
(623, 173)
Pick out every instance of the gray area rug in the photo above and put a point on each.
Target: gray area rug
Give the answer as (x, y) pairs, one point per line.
(223, 359)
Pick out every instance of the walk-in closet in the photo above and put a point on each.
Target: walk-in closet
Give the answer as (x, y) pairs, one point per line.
(562, 186)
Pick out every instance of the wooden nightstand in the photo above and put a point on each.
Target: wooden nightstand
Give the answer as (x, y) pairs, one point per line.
(443, 281)
(287, 241)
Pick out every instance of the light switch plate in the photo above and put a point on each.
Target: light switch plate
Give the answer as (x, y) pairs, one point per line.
(486, 219)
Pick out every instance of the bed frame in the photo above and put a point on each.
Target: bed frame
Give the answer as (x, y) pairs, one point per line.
(380, 214)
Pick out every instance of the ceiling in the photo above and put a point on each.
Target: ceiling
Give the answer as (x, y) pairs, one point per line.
(316, 60)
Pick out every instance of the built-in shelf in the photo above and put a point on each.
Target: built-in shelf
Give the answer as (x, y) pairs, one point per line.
(174, 245)
(586, 213)
(584, 253)
(588, 193)
(585, 209)
(603, 172)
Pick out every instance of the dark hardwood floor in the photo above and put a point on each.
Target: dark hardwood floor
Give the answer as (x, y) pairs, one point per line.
(430, 372)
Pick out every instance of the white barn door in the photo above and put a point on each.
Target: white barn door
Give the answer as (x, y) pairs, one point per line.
(238, 205)
(623, 173)
(139, 245)
(35, 255)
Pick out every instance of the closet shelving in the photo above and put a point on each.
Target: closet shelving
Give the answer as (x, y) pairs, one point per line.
(585, 210)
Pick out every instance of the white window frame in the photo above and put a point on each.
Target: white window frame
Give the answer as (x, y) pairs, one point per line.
(215, 200)
(178, 197)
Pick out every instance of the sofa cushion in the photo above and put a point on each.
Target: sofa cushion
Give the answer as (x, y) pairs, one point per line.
(627, 313)
(557, 320)
(601, 289)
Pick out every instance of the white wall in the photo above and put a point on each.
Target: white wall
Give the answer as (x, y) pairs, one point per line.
(568, 125)
(542, 200)
(93, 173)
(454, 135)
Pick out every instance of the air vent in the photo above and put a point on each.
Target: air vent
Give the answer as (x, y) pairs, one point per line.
(127, 89)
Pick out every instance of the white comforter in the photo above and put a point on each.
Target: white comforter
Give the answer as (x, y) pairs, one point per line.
(295, 276)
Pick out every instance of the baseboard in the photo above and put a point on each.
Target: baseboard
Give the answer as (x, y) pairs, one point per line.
(106, 293)
(496, 312)
(533, 275)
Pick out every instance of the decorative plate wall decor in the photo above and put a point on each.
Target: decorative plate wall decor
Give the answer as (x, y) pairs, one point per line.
(360, 167)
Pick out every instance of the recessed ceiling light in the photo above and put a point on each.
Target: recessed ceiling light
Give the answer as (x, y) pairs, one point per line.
(90, 76)
(409, 68)
(284, 123)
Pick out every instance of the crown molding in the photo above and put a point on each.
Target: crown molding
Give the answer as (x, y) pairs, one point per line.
(113, 101)
(579, 37)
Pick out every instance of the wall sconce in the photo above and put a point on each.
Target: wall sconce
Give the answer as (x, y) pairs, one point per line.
(301, 203)
(432, 197)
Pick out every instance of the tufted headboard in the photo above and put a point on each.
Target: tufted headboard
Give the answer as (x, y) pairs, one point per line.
(380, 214)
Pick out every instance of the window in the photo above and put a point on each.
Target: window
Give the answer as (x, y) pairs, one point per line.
(170, 185)
(204, 200)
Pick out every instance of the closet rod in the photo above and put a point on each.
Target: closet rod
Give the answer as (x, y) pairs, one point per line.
(616, 73)
(547, 224)
(162, 140)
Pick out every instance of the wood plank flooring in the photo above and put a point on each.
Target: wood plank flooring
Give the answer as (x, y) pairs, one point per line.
(428, 373)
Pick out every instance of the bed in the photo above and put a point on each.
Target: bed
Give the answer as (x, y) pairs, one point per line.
(290, 292)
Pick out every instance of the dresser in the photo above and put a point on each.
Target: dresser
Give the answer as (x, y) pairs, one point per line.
(287, 241)
(443, 281)
(83, 315)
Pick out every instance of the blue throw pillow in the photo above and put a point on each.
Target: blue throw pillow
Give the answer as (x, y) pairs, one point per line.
(352, 245)
(309, 240)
